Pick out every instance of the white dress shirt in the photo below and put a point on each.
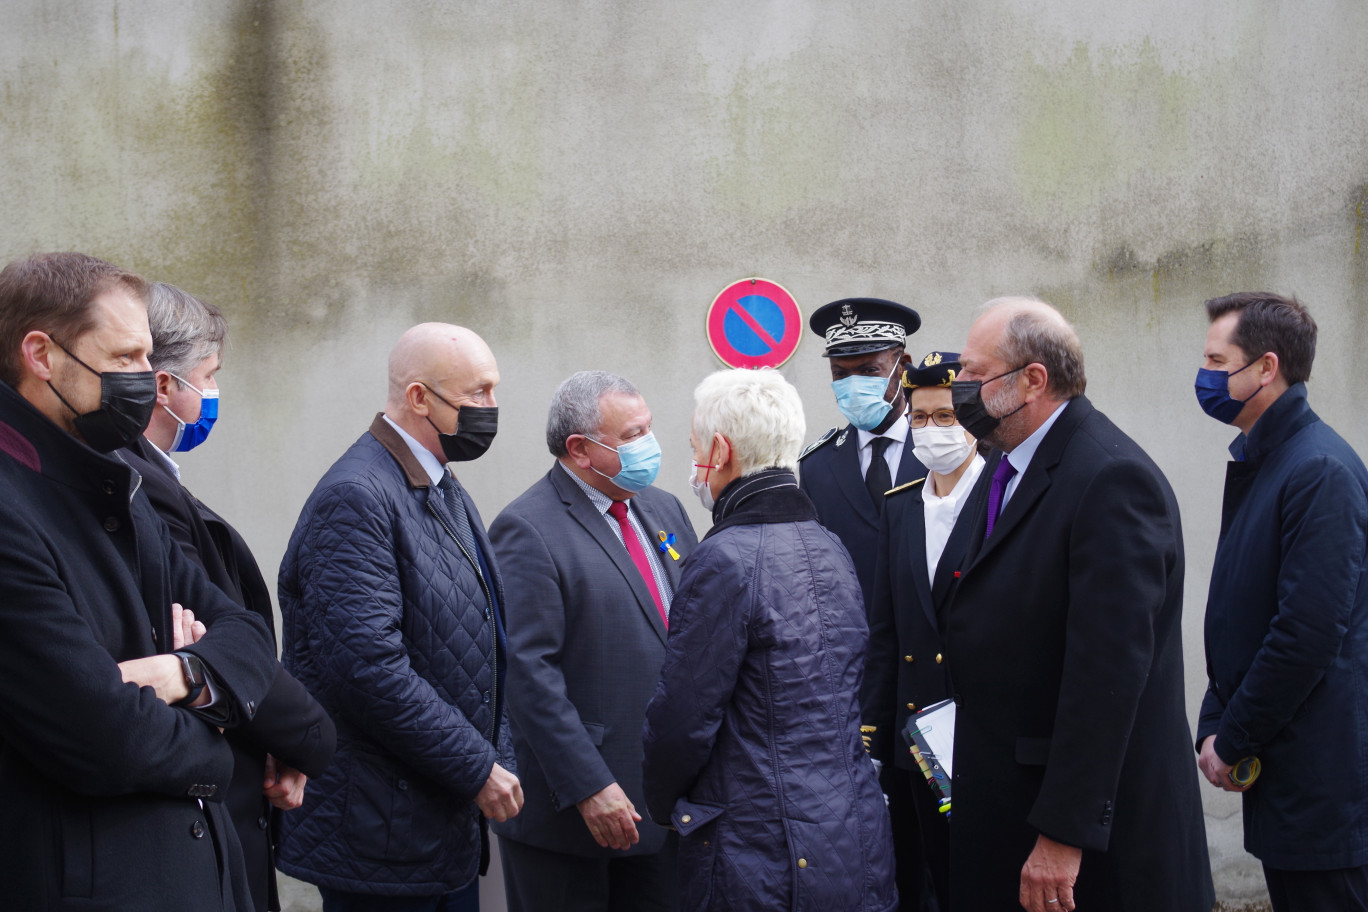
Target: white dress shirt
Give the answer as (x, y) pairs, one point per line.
(897, 435)
(941, 512)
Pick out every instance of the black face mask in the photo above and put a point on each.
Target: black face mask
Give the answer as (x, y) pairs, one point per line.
(966, 397)
(475, 429)
(127, 399)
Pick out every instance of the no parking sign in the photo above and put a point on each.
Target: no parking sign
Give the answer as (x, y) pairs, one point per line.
(754, 323)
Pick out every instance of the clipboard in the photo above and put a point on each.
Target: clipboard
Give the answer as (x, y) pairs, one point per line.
(930, 736)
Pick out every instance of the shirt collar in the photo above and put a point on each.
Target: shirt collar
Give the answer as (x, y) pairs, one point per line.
(596, 497)
(434, 469)
(165, 458)
(1020, 458)
(897, 432)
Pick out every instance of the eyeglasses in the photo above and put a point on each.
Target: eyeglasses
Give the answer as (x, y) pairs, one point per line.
(940, 418)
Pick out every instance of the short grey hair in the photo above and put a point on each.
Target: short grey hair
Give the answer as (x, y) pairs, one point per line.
(575, 406)
(1038, 334)
(185, 330)
(758, 411)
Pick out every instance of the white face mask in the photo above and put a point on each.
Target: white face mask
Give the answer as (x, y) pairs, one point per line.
(701, 489)
(940, 449)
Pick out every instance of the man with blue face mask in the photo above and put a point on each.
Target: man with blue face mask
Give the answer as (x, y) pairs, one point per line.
(291, 737)
(596, 551)
(848, 470)
(1287, 611)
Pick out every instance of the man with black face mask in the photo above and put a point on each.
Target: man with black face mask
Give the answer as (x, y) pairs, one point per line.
(112, 793)
(1063, 646)
(392, 604)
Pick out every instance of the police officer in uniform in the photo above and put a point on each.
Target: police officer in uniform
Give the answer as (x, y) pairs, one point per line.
(847, 472)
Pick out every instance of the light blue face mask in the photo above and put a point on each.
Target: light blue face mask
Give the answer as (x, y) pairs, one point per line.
(640, 461)
(189, 436)
(862, 399)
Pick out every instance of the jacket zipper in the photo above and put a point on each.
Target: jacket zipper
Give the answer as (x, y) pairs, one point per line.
(493, 628)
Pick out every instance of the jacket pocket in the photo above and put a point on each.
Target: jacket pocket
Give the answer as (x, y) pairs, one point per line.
(388, 818)
(595, 732)
(697, 826)
(1032, 751)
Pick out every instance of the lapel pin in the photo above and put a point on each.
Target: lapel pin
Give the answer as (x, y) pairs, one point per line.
(666, 545)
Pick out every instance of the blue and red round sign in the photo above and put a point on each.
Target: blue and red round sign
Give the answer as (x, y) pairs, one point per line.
(754, 323)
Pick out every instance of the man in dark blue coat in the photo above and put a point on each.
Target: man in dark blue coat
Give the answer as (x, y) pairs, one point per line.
(392, 602)
(1287, 612)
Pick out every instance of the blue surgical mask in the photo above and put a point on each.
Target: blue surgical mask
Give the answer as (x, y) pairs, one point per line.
(640, 461)
(189, 436)
(1213, 394)
(863, 399)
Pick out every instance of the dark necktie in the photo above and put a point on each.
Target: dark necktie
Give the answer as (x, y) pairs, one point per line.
(451, 495)
(878, 479)
(618, 511)
(1001, 476)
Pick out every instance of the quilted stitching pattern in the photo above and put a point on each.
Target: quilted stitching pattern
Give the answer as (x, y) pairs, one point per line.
(757, 712)
(387, 624)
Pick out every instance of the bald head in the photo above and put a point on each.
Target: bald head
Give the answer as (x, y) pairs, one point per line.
(434, 369)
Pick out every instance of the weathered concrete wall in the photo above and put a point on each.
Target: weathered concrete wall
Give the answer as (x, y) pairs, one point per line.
(577, 182)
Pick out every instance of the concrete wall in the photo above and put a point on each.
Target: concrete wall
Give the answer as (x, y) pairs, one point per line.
(577, 181)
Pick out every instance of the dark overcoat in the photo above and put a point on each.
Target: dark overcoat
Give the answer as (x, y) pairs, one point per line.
(829, 474)
(1287, 638)
(1064, 646)
(396, 631)
(289, 724)
(111, 798)
(585, 646)
(752, 739)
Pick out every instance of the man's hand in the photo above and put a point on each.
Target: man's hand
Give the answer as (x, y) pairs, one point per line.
(502, 797)
(611, 818)
(185, 630)
(162, 673)
(283, 785)
(1047, 878)
(1215, 769)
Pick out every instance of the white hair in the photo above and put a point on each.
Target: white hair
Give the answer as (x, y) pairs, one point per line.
(758, 411)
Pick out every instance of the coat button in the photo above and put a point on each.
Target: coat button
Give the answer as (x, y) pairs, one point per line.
(197, 830)
(262, 823)
(939, 658)
(685, 819)
(403, 785)
(109, 487)
(251, 707)
(907, 658)
(111, 524)
(706, 843)
(802, 862)
(486, 696)
(911, 707)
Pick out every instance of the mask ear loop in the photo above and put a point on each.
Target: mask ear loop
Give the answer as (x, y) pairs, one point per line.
(709, 466)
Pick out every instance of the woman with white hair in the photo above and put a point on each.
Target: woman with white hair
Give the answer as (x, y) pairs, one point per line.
(752, 740)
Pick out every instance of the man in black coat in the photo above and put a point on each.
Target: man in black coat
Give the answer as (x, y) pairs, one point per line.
(291, 737)
(846, 473)
(586, 634)
(1287, 613)
(1072, 778)
(113, 765)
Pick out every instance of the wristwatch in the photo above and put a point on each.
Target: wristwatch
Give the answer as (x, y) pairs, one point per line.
(193, 669)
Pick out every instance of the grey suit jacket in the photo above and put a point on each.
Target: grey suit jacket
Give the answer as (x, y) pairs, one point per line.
(586, 643)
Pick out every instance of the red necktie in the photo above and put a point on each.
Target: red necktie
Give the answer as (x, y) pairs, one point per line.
(618, 511)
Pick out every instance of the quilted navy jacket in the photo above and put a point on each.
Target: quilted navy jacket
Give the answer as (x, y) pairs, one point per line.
(752, 740)
(396, 633)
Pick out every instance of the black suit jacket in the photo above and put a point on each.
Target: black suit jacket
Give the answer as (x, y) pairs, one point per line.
(905, 666)
(1064, 646)
(586, 643)
(830, 476)
(289, 724)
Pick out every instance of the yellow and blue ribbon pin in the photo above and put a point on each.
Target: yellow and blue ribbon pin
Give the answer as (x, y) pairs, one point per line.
(667, 544)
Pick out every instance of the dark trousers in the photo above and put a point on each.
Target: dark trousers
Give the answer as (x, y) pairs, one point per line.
(1341, 890)
(463, 900)
(908, 855)
(539, 880)
(935, 841)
